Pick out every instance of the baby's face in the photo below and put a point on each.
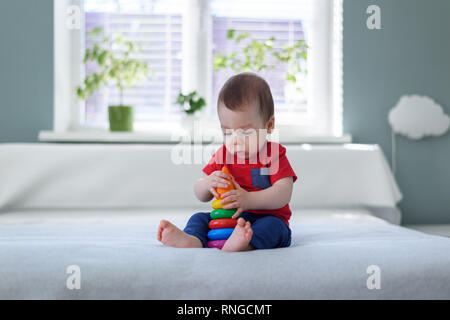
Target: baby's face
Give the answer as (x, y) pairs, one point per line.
(244, 130)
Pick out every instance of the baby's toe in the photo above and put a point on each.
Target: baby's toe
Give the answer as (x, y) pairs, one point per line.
(164, 224)
(248, 234)
(241, 222)
(158, 234)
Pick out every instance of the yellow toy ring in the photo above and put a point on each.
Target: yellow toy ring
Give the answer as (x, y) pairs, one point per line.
(216, 204)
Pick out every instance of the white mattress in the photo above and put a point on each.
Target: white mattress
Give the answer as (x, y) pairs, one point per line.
(120, 258)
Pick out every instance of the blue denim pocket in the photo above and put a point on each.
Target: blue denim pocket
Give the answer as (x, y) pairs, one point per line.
(260, 178)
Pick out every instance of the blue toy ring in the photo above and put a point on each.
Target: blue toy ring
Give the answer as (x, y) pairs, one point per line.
(220, 234)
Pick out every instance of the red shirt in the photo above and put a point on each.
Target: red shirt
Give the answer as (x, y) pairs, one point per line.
(257, 173)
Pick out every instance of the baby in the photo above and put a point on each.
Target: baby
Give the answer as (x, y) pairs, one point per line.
(261, 174)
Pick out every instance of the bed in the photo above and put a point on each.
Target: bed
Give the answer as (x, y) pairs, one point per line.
(97, 207)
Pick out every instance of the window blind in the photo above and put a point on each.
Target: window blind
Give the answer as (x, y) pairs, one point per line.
(157, 29)
(284, 20)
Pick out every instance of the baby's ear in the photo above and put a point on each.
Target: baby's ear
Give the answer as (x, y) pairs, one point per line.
(270, 124)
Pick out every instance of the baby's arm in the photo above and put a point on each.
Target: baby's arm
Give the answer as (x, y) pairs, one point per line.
(274, 197)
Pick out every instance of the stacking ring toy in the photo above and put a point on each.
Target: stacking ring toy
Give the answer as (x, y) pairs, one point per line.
(221, 191)
(216, 204)
(216, 244)
(220, 234)
(222, 213)
(222, 223)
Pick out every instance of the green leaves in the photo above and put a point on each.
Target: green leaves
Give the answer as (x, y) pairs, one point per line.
(230, 33)
(95, 32)
(118, 66)
(291, 77)
(260, 55)
(101, 59)
(191, 102)
(254, 54)
(242, 36)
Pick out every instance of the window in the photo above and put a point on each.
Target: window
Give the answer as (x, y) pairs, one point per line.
(264, 19)
(156, 26)
(179, 39)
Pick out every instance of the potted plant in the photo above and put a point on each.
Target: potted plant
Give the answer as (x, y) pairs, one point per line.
(191, 104)
(113, 58)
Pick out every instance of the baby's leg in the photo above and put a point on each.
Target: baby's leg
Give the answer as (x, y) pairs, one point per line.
(171, 236)
(240, 238)
(198, 226)
(270, 232)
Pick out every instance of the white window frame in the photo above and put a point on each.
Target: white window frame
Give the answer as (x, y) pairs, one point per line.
(68, 67)
(324, 65)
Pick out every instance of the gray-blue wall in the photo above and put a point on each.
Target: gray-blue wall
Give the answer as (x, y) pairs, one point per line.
(411, 54)
(26, 69)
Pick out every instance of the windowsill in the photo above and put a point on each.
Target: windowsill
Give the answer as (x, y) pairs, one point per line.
(104, 136)
(434, 229)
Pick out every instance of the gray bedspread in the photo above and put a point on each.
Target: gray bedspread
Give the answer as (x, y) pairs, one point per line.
(333, 254)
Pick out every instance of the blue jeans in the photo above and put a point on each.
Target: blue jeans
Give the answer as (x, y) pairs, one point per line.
(268, 231)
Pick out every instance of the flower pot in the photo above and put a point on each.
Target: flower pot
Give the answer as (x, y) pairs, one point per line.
(121, 118)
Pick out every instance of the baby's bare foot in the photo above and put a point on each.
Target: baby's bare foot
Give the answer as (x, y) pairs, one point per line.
(240, 238)
(171, 236)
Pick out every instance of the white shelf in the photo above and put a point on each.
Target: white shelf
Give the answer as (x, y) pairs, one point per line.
(165, 136)
(108, 137)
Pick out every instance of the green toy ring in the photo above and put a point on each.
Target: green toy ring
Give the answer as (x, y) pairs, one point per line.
(222, 213)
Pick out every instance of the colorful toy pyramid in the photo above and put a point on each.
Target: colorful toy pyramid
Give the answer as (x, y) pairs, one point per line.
(221, 225)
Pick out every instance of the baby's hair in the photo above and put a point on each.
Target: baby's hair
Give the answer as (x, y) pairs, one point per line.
(245, 88)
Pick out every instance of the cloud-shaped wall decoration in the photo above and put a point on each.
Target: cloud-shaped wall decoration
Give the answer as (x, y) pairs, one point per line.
(417, 117)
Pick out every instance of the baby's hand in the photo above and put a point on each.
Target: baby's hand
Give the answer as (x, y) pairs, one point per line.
(236, 199)
(217, 179)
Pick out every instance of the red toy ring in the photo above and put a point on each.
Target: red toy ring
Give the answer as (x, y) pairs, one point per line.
(222, 223)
